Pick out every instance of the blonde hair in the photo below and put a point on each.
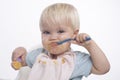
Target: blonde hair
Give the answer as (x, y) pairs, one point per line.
(60, 14)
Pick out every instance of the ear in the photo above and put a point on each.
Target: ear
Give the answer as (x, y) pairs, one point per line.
(76, 31)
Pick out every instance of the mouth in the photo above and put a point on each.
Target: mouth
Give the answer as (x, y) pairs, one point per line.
(53, 44)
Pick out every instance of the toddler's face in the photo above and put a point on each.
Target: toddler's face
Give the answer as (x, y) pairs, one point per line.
(53, 34)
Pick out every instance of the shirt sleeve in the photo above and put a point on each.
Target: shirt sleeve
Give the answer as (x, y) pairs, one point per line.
(83, 65)
(31, 56)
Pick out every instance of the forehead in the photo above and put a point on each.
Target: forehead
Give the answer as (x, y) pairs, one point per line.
(54, 27)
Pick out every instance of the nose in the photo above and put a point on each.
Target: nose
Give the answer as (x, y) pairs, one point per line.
(54, 36)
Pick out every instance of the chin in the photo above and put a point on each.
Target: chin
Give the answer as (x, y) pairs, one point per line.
(56, 52)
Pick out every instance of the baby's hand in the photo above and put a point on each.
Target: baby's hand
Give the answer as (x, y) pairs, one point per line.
(18, 56)
(82, 39)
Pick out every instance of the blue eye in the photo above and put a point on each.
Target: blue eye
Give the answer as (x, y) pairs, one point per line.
(61, 31)
(46, 32)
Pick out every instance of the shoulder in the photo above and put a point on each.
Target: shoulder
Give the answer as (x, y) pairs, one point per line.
(82, 58)
(31, 56)
(83, 64)
(81, 55)
(36, 52)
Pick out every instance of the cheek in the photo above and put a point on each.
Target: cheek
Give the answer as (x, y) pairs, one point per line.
(64, 47)
(44, 41)
(43, 37)
(63, 37)
(66, 36)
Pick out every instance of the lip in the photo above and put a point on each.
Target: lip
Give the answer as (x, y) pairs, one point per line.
(53, 44)
(50, 46)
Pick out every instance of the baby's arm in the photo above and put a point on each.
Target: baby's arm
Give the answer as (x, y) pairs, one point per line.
(18, 57)
(99, 60)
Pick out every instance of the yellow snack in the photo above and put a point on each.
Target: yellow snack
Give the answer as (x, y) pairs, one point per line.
(55, 61)
(16, 64)
(63, 60)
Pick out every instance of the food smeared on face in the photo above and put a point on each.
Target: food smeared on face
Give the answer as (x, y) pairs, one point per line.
(52, 46)
(56, 49)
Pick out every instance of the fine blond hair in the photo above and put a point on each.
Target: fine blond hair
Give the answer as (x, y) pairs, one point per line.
(60, 14)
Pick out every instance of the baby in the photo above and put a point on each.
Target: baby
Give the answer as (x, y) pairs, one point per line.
(59, 26)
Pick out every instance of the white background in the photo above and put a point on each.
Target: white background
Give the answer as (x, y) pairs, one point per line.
(19, 26)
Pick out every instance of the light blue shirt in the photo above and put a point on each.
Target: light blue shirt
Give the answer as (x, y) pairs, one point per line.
(83, 63)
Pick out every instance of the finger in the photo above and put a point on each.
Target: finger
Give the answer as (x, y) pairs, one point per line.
(87, 38)
(76, 42)
(84, 37)
(79, 38)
